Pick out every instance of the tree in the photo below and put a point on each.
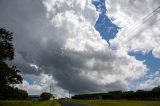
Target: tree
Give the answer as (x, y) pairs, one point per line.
(46, 96)
(156, 92)
(8, 74)
(20, 94)
(6, 46)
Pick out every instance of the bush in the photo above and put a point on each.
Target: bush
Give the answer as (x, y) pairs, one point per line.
(46, 96)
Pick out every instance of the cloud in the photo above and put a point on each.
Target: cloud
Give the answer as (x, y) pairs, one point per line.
(156, 52)
(88, 57)
(42, 83)
(55, 40)
(152, 81)
(139, 22)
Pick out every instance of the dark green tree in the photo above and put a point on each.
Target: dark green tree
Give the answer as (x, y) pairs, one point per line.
(8, 74)
(6, 46)
(156, 92)
(46, 96)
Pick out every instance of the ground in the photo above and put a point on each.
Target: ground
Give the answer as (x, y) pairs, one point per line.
(28, 103)
(70, 103)
(118, 102)
(79, 103)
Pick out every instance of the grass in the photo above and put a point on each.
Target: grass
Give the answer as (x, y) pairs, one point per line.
(118, 103)
(28, 103)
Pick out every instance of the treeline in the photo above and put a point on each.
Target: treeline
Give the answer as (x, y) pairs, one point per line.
(153, 94)
(12, 93)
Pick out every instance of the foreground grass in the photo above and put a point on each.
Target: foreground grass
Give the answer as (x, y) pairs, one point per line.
(28, 103)
(118, 102)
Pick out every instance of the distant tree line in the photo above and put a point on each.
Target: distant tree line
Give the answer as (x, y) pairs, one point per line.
(153, 94)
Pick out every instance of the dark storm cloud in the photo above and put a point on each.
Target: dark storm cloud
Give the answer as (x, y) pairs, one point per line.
(27, 20)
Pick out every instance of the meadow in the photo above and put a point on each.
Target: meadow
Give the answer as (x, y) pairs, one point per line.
(118, 102)
(27, 103)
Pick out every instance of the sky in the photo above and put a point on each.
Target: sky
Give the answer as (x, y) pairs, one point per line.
(84, 46)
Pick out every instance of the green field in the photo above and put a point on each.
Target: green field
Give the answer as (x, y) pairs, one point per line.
(118, 102)
(27, 103)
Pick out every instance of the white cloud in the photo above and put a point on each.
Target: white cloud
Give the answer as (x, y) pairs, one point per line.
(153, 80)
(79, 7)
(150, 83)
(34, 66)
(156, 52)
(140, 25)
(42, 83)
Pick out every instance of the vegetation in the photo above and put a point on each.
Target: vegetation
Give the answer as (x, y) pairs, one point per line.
(9, 75)
(28, 103)
(118, 102)
(46, 96)
(154, 94)
(11, 93)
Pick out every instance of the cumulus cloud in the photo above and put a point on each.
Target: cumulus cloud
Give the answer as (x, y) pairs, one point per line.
(151, 81)
(42, 83)
(156, 52)
(89, 56)
(139, 22)
(58, 42)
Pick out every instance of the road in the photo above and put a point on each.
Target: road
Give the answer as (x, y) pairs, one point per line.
(68, 103)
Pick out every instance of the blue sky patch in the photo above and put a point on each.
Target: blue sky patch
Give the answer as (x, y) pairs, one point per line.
(100, 5)
(28, 79)
(104, 25)
(152, 63)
